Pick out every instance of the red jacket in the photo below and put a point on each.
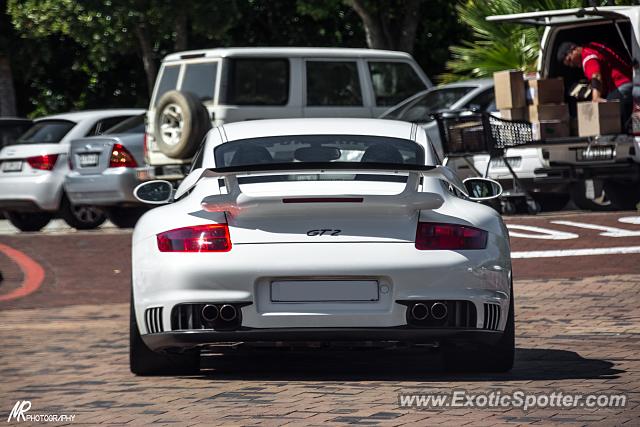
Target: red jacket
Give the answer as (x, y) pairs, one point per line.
(598, 58)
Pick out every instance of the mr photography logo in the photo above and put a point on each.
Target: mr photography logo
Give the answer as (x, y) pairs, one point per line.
(20, 412)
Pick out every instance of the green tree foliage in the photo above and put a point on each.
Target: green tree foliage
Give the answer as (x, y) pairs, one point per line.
(496, 46)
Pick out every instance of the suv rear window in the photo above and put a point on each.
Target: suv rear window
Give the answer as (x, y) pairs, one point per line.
(394, 82)
(257, 81)
(168, 81)
(200, 79)
(333, 83)
(46, 132)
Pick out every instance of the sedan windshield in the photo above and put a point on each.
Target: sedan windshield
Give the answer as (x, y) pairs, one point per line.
(46, 132)
(434, 101)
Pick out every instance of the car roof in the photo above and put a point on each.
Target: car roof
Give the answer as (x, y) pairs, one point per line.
(488, 82)
(287, 51)
(317, 126)
(76, 116)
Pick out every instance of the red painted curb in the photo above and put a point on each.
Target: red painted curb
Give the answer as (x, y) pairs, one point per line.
(32, 271)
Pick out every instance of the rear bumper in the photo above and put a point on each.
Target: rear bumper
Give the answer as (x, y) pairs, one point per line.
(112, 187)
(178, 340)
(37, 192)
(558, 174)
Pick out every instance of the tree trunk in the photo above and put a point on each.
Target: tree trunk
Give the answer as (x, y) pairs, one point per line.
(382, 29)
(182, 30)
(148, 60)
(372, 26)
(7, 93)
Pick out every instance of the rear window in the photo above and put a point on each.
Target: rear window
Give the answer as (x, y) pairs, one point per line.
(332, 83)
(432, 102)
(319, 149)
(168, 81)
(394, 82)
(46, 132)
(9, 133)
(200, 79)
(257, 81)
(131, 125)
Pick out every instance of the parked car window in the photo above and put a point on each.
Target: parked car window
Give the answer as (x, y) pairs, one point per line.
(133, 124)
(432, 102)
(102, 125)
(200, 79)
(332, 83)
(10, 132)
(485, 101)
(168, 81)
(46, 131)
(257, 81)
(394, 82)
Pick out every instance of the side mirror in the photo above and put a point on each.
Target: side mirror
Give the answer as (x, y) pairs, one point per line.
(156, 192)
(482, 188)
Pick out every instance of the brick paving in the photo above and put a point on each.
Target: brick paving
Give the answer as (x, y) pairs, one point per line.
(65, 348)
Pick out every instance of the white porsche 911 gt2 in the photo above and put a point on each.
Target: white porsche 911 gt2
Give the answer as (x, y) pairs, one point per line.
(320, 230)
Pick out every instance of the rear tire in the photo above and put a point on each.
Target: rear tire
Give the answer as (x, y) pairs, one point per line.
(28, 221)
(81, 217)
(180, 123)
(498, 357)
(143, 361)
(625, 195)
(601, 203)
(551, 202)
(125, 217)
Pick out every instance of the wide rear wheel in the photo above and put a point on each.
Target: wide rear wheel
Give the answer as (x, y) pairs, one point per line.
(144, 361)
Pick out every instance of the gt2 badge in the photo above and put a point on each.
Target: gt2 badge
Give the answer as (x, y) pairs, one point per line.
(324, 232)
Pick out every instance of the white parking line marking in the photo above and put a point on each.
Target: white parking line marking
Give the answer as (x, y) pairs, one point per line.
(608, 231)
(576, 252)
(544, 233)
(630, 220)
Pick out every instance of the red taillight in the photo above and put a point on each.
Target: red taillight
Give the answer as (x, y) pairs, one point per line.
(198, 238)
(121, 158)
(45, 162)
(432, 236)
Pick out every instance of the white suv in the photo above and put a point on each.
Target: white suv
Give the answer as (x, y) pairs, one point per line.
(198, 89)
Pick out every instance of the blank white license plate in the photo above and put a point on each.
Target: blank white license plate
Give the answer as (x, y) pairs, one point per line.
(324, 290)
(12, 166)
(88, 160)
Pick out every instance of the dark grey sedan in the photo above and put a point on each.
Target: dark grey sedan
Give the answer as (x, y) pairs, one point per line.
(103, 171)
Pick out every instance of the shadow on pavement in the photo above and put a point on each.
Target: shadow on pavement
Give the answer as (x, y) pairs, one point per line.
(396, 365)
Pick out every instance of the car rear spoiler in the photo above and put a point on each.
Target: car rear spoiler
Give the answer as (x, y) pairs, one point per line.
(410, 199)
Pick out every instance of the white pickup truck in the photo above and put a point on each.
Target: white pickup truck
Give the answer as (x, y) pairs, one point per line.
(602, 172)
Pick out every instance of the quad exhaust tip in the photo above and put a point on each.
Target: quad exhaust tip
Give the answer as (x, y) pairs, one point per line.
(210, 312)
(438, 310)
(228, 313)
(419, 311)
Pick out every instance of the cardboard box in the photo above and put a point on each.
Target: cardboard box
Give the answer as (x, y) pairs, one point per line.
(598, 118)
(549, 129)
(540, 113)
(509, 89)
(515, 113)
(545, 91)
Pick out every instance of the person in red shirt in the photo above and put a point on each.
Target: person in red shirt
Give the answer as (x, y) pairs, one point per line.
(609, 73)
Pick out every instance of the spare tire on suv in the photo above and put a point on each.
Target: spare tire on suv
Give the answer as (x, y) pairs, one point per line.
(180, 123)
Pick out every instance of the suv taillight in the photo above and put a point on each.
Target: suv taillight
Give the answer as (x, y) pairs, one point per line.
(121, 157)
(145, 149)
(434, 236)
(45, 162)
(197, 238)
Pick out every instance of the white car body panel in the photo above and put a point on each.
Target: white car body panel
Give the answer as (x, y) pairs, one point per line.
(376, 244)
